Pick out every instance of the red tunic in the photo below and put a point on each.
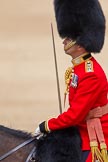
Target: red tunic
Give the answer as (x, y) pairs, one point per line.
(90, 93)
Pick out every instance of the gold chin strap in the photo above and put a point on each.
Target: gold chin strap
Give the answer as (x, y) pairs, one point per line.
(69, 45)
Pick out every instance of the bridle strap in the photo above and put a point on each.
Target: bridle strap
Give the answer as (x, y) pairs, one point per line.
(29, 158)
(17, 148)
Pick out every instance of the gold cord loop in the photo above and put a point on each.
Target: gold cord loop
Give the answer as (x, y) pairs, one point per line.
(68, 77)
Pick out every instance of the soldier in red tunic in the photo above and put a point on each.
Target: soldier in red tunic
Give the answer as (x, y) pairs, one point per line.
(82, 24)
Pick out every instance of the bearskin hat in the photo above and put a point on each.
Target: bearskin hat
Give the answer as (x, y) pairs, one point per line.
(81, 20)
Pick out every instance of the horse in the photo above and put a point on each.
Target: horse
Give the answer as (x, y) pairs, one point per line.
(9, 139)
(58, 146)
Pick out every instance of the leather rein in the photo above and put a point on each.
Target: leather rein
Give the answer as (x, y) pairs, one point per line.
(19, 147)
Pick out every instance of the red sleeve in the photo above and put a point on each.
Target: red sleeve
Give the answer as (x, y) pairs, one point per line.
(86, 95)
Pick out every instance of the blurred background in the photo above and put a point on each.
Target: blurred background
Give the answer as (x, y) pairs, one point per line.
(28, 89)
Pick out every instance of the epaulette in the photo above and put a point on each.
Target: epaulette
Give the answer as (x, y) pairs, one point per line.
(89, 66)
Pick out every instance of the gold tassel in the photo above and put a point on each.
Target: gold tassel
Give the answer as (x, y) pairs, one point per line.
(96, 154)
(68, 76)
(66, 91)
(104, 152)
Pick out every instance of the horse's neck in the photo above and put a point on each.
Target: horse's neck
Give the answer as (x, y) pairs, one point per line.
(8, 142)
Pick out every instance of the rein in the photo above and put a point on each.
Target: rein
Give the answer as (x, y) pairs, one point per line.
(18, 147)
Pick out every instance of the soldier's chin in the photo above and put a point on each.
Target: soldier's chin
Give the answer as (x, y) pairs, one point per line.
(67, 52)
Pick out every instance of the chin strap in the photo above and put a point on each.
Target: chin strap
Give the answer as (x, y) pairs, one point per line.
(69, 45)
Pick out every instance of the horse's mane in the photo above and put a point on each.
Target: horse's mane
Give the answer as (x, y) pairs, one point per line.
(17, 133)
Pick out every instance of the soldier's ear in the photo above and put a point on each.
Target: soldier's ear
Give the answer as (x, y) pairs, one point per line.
(80, 48)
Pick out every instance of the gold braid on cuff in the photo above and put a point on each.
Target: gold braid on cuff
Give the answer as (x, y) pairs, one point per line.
(46, 127)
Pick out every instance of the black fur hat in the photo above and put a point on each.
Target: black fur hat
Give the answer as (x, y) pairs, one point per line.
(81, 20)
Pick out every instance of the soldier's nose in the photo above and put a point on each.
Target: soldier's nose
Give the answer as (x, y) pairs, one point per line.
(65, 41)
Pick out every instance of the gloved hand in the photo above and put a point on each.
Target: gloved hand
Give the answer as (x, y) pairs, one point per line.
(41, 129)
(38, 133)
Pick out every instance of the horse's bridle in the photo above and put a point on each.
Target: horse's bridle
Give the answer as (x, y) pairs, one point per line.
(20, 146)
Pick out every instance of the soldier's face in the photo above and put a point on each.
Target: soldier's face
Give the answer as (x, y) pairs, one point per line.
(68, 47)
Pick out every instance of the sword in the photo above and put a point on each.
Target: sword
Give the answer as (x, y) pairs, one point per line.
(56, 68)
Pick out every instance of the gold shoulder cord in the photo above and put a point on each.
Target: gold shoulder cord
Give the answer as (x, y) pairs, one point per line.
(68, 77)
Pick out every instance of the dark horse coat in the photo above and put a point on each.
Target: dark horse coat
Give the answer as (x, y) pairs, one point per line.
(60, 146)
